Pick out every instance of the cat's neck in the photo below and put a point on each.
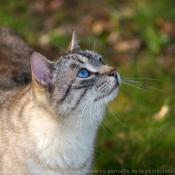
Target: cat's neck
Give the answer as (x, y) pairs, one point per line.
(71, 142)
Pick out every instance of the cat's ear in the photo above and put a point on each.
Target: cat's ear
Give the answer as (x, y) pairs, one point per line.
(40, 67)
(74, 43)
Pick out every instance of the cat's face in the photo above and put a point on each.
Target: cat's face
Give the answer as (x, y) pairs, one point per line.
(79, 81)
(83, 77)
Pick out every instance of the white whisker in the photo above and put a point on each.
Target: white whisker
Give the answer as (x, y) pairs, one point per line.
(101, 122)
(60, 47)
(132, 78)
(141, 84)
(134, 86)
(95, 43)
(91, 113)
(81, 116)
(88, 42)
(111, 110)
(114, 102)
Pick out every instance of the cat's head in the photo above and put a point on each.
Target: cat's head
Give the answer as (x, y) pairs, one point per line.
(79, 82)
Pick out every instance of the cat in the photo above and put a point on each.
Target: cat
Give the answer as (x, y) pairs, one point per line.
(49, 125)
(14, 65)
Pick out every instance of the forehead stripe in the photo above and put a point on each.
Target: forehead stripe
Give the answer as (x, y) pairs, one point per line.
(76, 57)
(85, 55)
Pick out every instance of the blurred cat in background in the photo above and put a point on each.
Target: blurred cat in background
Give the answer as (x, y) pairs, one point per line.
(14, 59)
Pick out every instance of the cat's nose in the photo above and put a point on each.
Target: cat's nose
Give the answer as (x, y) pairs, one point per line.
(113, 72)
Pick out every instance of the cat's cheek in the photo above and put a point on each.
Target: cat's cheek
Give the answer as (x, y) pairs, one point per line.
(112, 96)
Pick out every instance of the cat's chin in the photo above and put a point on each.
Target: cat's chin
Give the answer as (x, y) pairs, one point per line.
(109, 96)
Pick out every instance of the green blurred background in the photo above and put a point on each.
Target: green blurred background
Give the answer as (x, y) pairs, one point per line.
(136, 36)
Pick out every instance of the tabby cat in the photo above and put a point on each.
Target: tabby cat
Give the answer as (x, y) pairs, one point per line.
(48, 126)
(14, 63)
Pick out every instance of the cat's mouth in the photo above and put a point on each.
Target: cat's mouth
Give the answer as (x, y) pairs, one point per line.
(103, 96)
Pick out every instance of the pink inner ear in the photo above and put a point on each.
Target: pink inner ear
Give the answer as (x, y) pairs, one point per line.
(40, 68)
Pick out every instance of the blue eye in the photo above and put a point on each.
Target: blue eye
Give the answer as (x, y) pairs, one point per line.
(83, 73)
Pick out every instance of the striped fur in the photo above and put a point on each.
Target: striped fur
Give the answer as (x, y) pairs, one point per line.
(49, 126)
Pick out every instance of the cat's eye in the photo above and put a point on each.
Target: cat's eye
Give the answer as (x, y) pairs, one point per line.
(83, 73)
(100, 59)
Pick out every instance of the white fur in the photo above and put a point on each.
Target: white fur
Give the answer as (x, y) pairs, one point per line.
(66, 146)
(91, 68)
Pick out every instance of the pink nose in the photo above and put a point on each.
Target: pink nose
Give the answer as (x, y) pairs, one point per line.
(113, 73)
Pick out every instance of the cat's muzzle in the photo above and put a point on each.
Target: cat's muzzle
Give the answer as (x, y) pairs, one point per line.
(116, 75)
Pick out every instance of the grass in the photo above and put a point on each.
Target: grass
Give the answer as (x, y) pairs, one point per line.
(130, 137)
(139, 141)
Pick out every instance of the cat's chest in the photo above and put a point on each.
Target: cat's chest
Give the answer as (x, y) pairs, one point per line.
(64, 155)
(63, 149)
